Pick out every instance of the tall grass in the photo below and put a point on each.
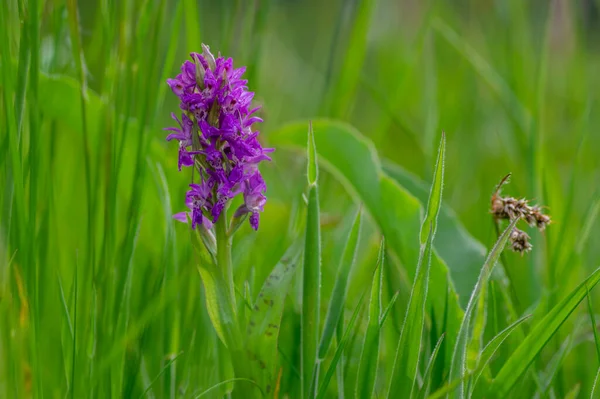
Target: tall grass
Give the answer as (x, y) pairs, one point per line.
(100, 291)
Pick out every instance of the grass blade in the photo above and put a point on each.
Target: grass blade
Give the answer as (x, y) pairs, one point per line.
(339, 351)
(397, 213)
(350, 71)
(508, 98)
(165, 367)
(226, 382)
(490, 349)
(406, 362)
(338, 296)
(311, 274)
(459, 356)
(435, 195)
(427, 375)
(367, 367)
(387, 310)
(594, 325)
(525, 354)
(596, 379)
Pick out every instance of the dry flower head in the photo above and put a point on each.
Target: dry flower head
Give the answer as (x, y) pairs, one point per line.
(510, 208)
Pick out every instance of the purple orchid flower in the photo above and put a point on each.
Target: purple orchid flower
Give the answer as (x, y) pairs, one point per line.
(216, 139)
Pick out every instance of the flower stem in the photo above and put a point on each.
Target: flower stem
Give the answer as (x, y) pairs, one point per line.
(224, 256)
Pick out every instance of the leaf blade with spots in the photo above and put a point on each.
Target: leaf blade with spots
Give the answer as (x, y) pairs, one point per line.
(265, 319)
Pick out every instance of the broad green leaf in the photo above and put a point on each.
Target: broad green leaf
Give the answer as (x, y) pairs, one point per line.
(311, 279)
(458, 368)
(406, 362)
(490, 349)
(339, 351)
(533, 343)
(338, 296)
(352, 159)
(424, 390)
(265, 319)
(367, 366)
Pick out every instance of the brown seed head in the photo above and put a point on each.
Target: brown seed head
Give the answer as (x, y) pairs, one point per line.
(510, 208)
(520, 241)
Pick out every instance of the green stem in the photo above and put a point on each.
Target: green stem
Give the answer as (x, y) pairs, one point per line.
(511, 281)
(225, 266)
(224, 256)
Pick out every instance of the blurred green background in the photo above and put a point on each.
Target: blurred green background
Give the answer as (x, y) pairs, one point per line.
(86, 235)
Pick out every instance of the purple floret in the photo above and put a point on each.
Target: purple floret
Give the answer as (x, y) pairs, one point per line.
(215, 136)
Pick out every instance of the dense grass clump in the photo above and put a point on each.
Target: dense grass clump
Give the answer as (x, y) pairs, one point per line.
(382, 266)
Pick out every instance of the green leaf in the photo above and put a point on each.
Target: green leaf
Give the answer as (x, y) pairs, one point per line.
(162, 370)
(435, 196)
(593, 320)
(533, 343)
(387, 310)
(313, 168)
(574, 392)
(338, 351)
(349, 73)
(367, 366)
(352, 159)
(406, 362)
(508, 98)
(463, 254)
(265, 319)
(547, 376)
(218, 301)
(338, 296)
(226, 382)
(311, 280)
(428, 370)
(458, 368)
(490, 349)
(595, 386)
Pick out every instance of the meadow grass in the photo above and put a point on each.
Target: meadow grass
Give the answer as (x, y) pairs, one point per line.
(392, 278)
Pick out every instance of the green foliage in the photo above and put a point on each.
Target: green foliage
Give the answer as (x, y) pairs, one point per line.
(311, 275)
(539, 336)
(367, 366)
(102, 294)
(406, 363)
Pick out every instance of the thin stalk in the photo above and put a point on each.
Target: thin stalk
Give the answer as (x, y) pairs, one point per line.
(511, 281)
(224, 262)
(225, 266)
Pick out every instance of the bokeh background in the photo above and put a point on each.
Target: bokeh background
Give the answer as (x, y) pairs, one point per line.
(513, 84)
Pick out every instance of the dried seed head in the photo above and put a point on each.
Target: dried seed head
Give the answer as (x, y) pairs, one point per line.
(520, 241)
(511, 208)
(541, 220)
